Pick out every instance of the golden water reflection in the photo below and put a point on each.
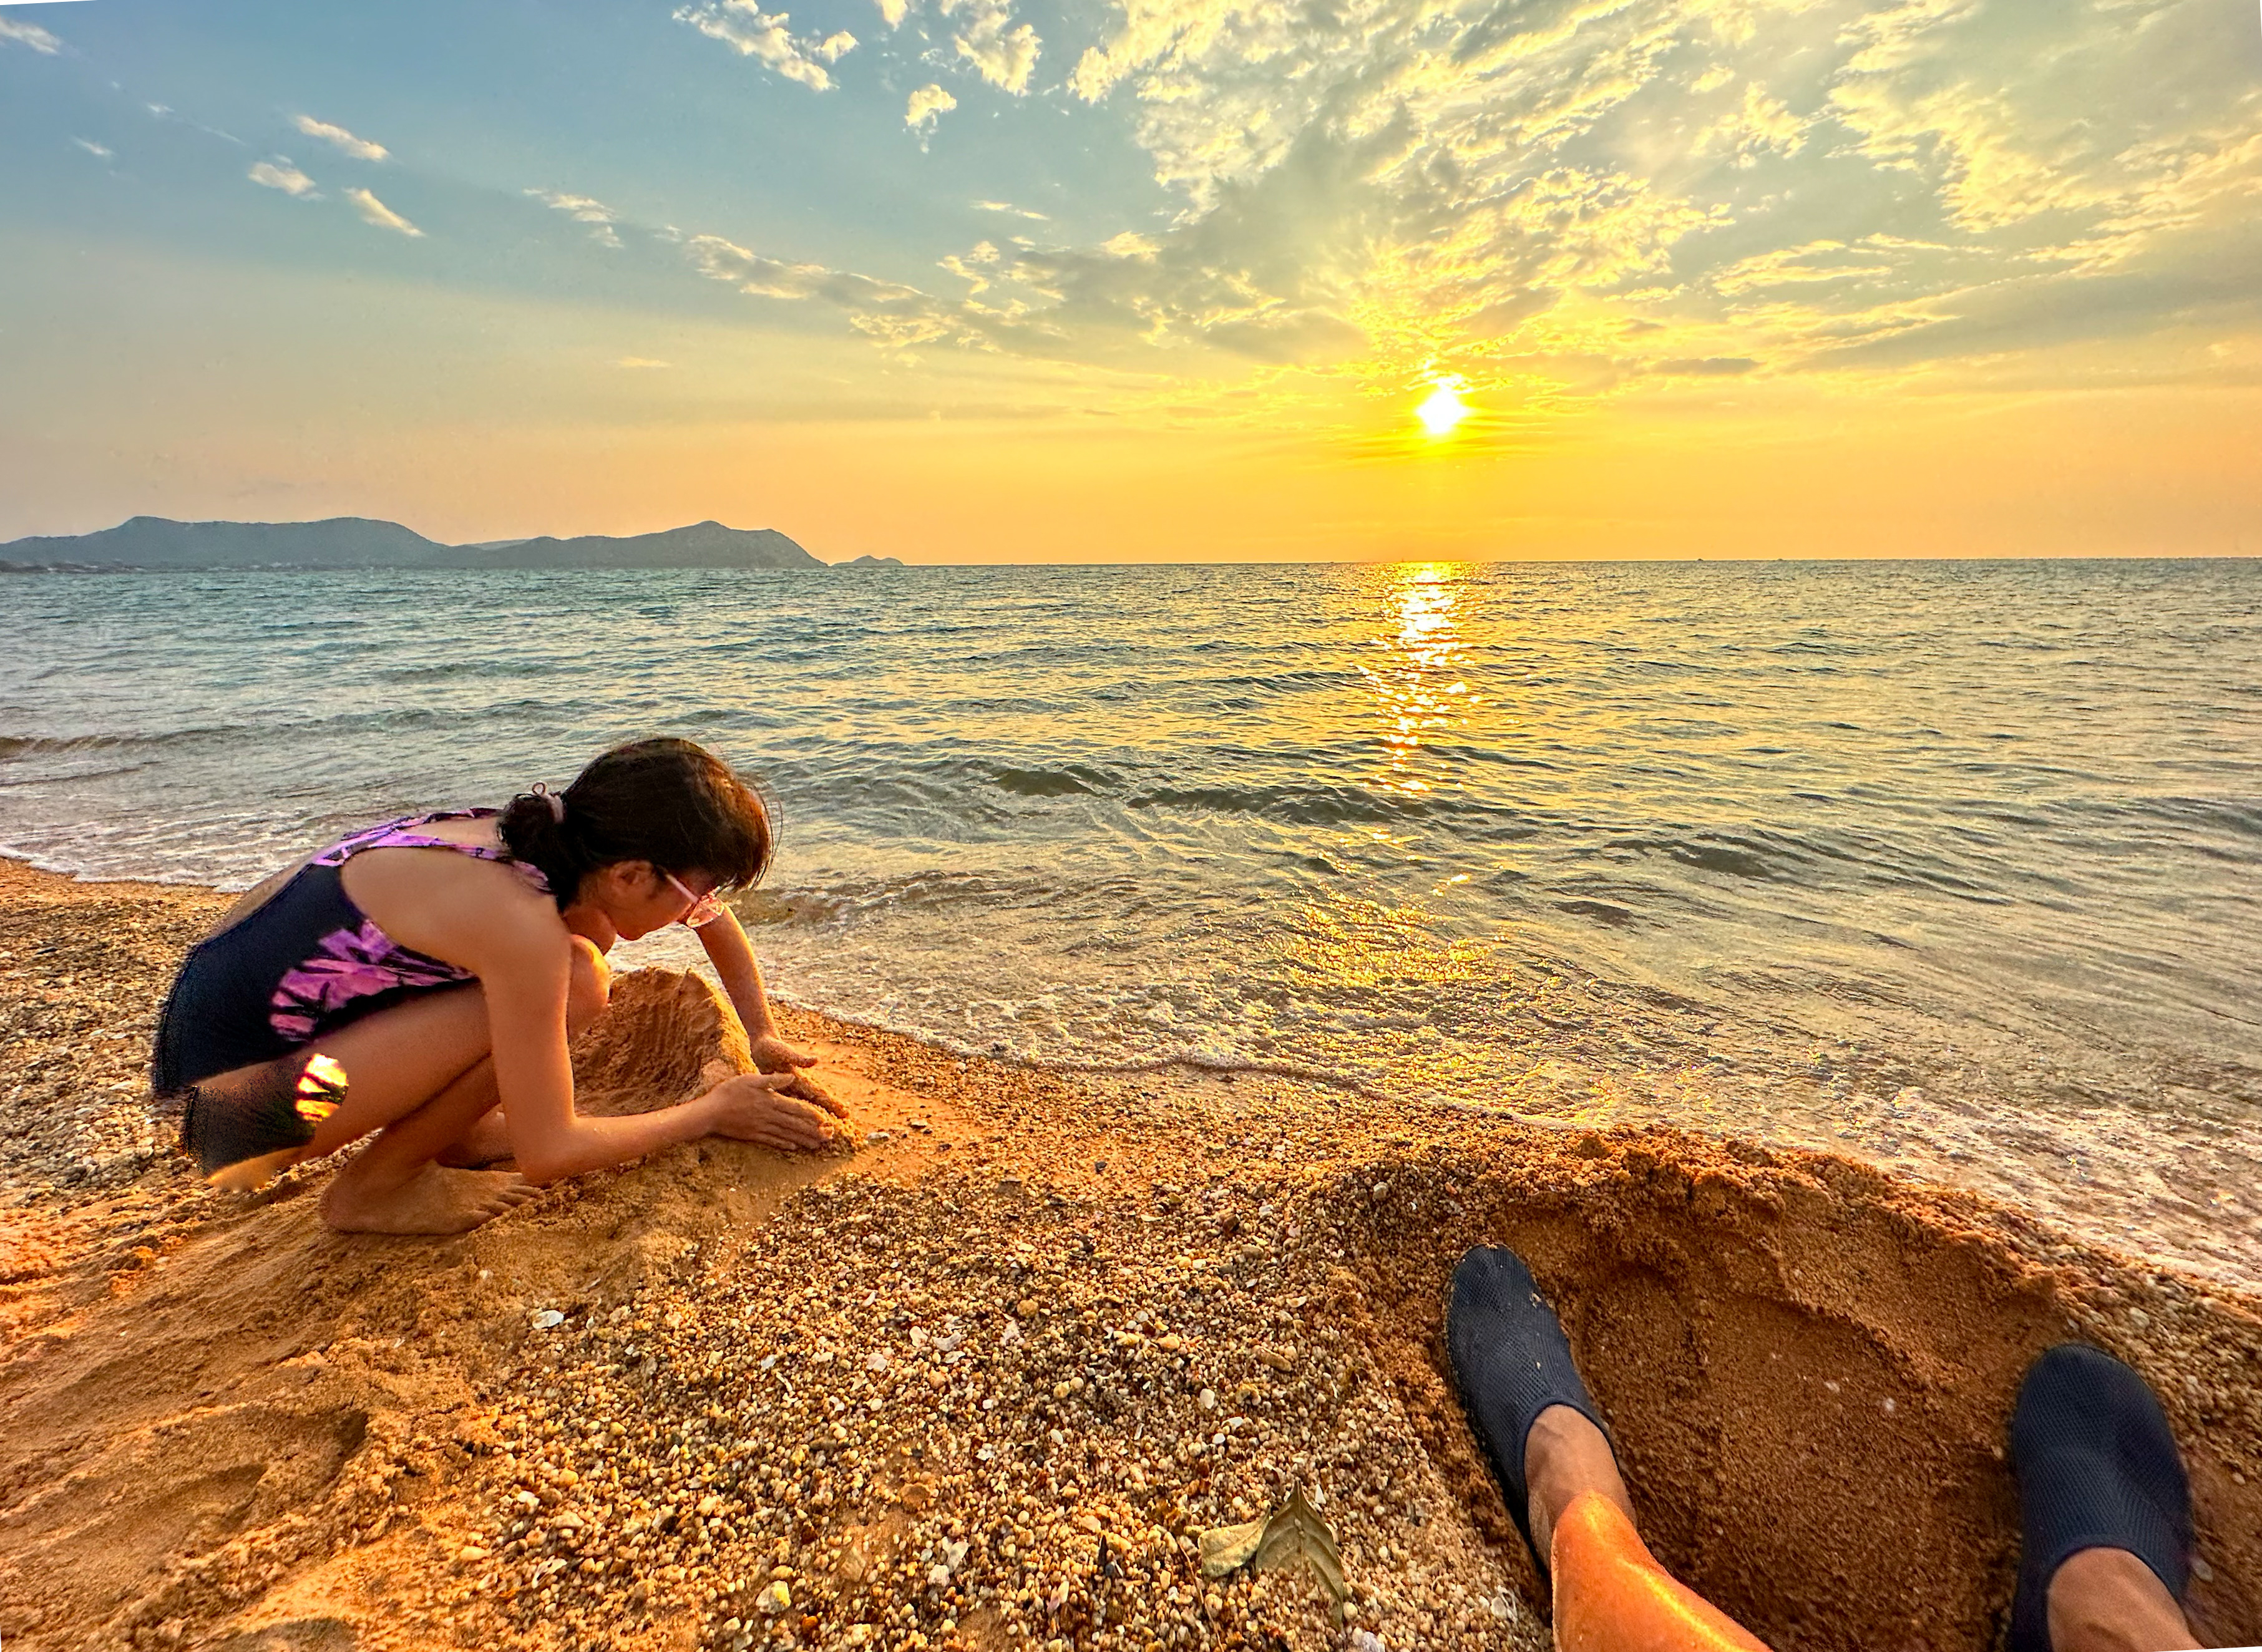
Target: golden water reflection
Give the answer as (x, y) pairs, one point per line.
(1417, 684)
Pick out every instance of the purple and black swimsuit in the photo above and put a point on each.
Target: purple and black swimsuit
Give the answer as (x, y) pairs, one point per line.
(301, 965)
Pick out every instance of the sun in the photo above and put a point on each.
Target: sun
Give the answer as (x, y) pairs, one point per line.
(1444, 409)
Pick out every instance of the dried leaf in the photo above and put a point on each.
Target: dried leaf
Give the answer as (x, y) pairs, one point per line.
(1224, 1548)
(1297, 1536)
(1292, 1535)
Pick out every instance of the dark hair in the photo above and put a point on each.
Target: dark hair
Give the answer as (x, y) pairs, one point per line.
(672, 802)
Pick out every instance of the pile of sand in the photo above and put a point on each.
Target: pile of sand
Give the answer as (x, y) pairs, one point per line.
(222, 1425)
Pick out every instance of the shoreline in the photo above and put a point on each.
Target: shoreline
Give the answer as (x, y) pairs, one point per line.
(224, 1424)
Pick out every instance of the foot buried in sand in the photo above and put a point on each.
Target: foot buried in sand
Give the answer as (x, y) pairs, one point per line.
(2104, 1509)
(435, 1200)
(1530, 1411)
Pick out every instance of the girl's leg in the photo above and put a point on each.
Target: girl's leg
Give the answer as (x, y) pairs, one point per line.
(395, 1185)
(419, 1075)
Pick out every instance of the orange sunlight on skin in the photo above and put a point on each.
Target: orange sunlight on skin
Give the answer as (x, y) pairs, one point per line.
(1611, 1596)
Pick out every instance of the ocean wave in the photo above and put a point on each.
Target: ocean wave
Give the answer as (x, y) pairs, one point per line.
(19, 746)
(1294, 805)
(1722, 852)
(1232, 818)
(1071, 782)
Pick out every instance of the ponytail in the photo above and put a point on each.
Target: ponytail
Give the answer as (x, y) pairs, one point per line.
(668, 801)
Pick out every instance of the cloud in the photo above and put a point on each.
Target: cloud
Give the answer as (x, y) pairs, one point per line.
(583, 209)
(339, 138)
(1758, 125)
(928, 104)
(376, 212)
(281, 175)
(99, 151)
(744, 26)
(1557, 201)
(833, 48)
(29, 34)
(641, 362)
(1004, 54)
(1706, 366)
(1567, 196)
(885, 310)
(892, 12)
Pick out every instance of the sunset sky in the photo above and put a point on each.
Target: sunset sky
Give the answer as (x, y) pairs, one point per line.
(1130, 280)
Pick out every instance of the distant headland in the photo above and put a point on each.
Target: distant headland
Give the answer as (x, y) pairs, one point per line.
(359, 542)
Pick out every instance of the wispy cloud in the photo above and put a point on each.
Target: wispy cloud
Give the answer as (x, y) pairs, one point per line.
(1008, 208)
(99, 151)
(1002, 52)
(281, 175)
(1561, 197)
(583, 209)
(744, 26)
(29, 34)
(926, 106)
(340, 139)
(641, 362)
(376, 212)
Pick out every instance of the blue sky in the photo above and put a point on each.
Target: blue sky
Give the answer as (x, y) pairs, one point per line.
(975, 261)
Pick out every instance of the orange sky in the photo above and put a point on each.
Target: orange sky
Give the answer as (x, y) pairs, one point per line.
(1167, 281)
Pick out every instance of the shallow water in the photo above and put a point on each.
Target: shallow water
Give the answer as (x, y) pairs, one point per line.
(1951, 866)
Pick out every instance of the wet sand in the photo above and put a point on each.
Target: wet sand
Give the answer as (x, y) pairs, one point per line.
(982, 1382)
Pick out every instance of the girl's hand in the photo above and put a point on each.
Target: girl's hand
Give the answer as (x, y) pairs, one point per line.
(750, 1106)
(773, 1055)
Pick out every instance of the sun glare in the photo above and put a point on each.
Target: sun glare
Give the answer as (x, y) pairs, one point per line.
(1444, 410)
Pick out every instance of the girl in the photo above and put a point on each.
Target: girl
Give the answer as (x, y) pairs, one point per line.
(421, 979)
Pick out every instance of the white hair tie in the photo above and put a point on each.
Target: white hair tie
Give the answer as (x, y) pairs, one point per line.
(556, 803)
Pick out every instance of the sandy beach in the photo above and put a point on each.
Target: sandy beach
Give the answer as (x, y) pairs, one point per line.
(982, 1382)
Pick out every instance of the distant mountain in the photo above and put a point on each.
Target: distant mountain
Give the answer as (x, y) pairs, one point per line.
(157, 542)
(702, 545)
(871, 561)
(354, 542)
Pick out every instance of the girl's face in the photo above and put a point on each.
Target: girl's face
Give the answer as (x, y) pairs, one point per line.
(633, 898)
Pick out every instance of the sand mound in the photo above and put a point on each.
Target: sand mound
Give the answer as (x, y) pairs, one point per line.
(226, 1426)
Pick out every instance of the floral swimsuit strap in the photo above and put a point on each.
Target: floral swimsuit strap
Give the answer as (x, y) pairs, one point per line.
(360, 961)
(403, 833)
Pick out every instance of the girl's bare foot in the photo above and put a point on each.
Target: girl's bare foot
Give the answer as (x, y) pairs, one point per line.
(433, 1200)
(485, 1143)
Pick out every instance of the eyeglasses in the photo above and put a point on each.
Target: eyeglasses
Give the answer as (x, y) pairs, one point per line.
(705, 908)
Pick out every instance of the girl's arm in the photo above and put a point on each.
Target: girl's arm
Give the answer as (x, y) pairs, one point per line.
(733, 957)
(524, 976)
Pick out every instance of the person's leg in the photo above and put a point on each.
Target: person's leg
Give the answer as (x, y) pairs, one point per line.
(418, 1075)
(396, 1184)
(2104, 1511)
(1540, 1428)
(589, 994)
(2108, 1600)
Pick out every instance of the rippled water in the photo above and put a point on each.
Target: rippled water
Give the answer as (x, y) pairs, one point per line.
(1951, 866)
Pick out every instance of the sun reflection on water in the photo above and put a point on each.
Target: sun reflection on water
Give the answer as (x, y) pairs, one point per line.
(1418, 687)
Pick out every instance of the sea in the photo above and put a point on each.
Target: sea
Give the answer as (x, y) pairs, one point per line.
(1955, 867)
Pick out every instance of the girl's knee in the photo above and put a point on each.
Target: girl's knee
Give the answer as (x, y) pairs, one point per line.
(588, 989)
